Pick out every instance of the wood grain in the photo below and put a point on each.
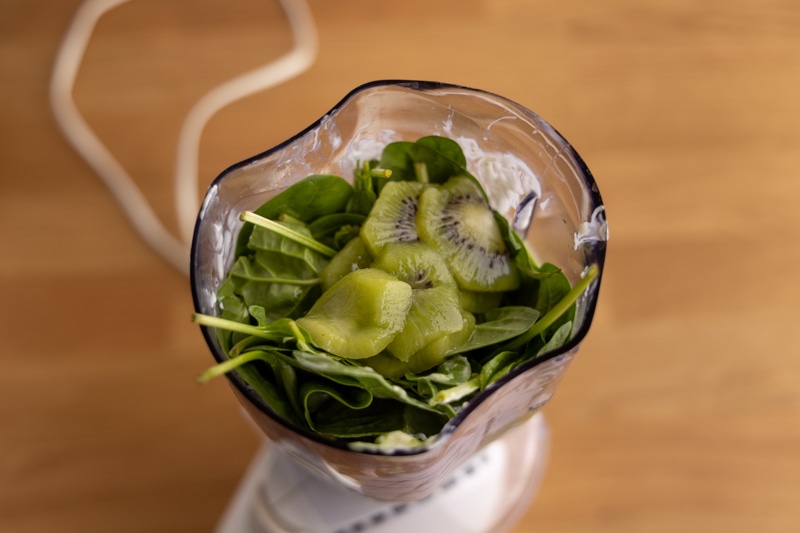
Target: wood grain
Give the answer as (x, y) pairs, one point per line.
(682, 411)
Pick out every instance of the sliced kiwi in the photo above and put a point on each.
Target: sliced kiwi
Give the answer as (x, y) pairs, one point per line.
(416, 263)
(434, 353)
(479, 301)
(388, 365)
(352, 256)
(435, 309)
(360, 314)
(456, 220)
(428, 357)
(393, 217)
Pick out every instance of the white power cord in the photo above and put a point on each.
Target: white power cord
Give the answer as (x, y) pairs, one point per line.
(134, 204)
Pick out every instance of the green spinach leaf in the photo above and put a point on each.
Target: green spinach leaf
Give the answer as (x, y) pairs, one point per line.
(442, 159)
(381, 417)
(325, 229)
(452, 371)
(497, 367)
(501, 324)
(365, 188)
(308, 199)
(279, 271)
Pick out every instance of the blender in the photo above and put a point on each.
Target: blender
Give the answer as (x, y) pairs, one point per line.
(484, 467)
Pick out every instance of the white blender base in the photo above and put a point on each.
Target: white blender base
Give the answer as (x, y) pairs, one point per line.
(485, 495)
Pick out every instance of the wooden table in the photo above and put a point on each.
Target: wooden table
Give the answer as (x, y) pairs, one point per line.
(682, 412)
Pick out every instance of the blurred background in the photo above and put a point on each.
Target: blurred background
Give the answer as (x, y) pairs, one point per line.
(682, 411)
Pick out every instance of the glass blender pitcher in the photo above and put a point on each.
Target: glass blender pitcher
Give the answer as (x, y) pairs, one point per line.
(483, 467)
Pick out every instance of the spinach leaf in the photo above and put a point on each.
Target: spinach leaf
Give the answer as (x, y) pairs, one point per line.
(438, 167)
(262, 382)
(232, 308)
(557, 339)
(514, 243)
(278, 271)
(541, 287)
(258, 313)
(553, 288)
(310, 198)
(502, 324)
(445, 147)
(256, 283)
(325, 229)
(503, 362)
(269, 392)
(452, 371)
(395, 157)
(347, 373)
(306, 200)
(497, 367)
(381, 417)
(442, 159)
(287, 380)
(564, 306)
(365, 190)
(270, 247)
(345, 234)
(316, 398)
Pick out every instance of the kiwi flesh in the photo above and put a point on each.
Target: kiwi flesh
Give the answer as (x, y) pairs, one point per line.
(434, 353)
(353, 256)
(479, 301)
(393, 216)
(435, 308)
(428, 357)
(360, 315)
(415, 263)
(456, 220)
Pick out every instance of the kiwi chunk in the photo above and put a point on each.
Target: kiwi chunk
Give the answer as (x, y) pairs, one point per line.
(434, 353)
(456, 220)
(352, 256)
(393, 217)
(435, 308)
(428, 357)
(479, 301)
(360, 315)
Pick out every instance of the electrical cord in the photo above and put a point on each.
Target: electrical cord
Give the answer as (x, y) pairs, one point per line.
(174, 249)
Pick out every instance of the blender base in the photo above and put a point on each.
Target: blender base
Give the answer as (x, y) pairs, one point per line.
(487, 494)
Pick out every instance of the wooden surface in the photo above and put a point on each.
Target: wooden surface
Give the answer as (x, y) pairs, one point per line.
(682, 412)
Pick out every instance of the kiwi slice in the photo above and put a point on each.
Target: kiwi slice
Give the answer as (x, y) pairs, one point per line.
(456, 220)
(435, 309)
(393, 217)
(352, 256)
(360, 314)
(428, 357)
(434, 353)
(479, 301)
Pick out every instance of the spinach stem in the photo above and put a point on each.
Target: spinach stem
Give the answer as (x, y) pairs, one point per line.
(380, 173)
(557, 310)
(231, 364)
(283, 217)
(421, 172)
(249, 216)
(300, 338)
(456, 393)
(287, 281)
(229, 325)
